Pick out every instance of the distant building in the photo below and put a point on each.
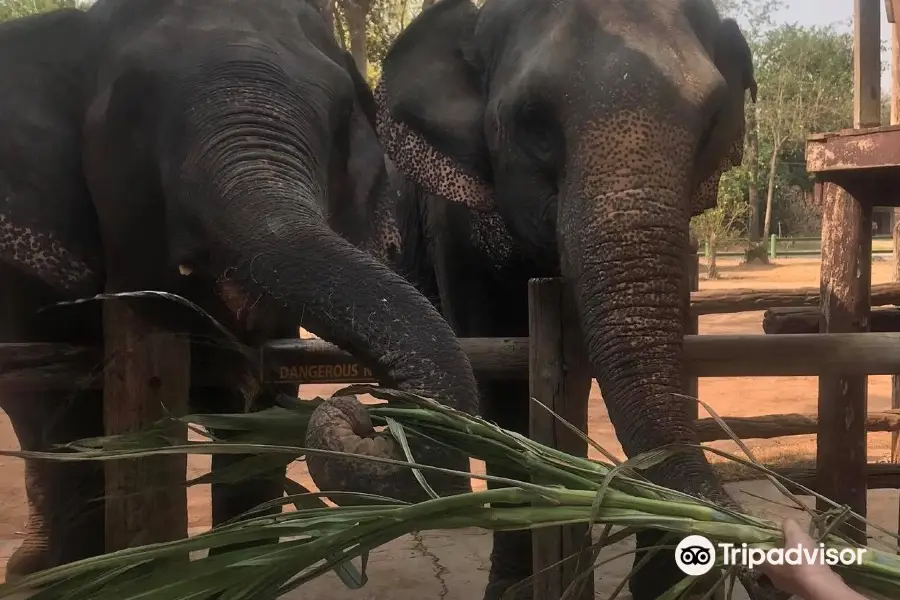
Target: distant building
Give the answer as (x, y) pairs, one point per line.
(882, 220)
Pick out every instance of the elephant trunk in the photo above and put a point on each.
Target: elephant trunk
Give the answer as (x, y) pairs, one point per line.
(265, 180)
(332, 288)
(623, 250)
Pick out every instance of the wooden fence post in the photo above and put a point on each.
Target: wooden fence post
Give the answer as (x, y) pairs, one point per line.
(559, 377)
(895, 226)
(841, 452)
(147, 372)
(846, 278)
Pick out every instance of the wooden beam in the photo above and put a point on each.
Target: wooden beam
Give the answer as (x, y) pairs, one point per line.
(147, 373)
(560, 377)
(846, 275)
(893, 9)
(773, 426)
(866, 63)
(848, 150)
(710, 302)
(786, 321)
(305, 361)
(878, 476)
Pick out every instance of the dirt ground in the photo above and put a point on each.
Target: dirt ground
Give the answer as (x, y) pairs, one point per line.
(729, 397)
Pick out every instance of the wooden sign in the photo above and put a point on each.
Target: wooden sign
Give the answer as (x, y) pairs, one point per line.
(348, 372)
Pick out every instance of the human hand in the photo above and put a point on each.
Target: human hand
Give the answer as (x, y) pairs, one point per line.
(804, 579)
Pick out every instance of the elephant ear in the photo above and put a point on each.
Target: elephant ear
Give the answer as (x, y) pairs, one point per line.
(725, 148)
(431, 106)
(48, 227)
(367, 218)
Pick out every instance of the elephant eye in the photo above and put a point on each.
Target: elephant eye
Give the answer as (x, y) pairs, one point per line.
(536, 130)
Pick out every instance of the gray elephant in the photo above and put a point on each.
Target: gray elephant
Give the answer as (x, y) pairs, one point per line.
(572, 138)
(224, 151)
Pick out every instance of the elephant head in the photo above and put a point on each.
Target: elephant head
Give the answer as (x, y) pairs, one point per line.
(247, 136)
(596, 129)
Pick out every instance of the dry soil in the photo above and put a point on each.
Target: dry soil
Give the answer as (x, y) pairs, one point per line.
(453, 565)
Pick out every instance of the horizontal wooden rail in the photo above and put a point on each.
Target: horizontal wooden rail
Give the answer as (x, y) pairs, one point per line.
(805, 319)
(879, 476)
(58, 366)
(710, 302)
(773, 426)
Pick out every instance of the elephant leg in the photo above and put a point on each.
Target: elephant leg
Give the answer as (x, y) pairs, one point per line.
(66, 514)
(230, 500)
(65, 500)
(477, 304)
(506, 403)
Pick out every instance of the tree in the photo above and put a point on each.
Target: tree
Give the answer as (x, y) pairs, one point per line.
(352, 16)
(13, 9)
(755, 19)
(721, 225)
(380, 25)
(805, 77)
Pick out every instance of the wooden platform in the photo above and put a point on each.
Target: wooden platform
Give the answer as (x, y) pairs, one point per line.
(865, 162)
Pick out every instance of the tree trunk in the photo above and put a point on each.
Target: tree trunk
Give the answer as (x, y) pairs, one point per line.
(355, 12)
(712, 271)
(340, 31)
(753, 166)
(770, 192)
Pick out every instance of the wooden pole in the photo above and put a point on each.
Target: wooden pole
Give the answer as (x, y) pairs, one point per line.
(895, 229)
(866, 63)
(559, 377)
(791, 321)
(147, 372)
(846, 281)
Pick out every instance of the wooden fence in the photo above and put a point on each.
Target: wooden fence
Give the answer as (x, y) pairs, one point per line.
(138, 378)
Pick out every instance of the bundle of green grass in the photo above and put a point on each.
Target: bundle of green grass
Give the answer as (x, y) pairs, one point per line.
(316, 538)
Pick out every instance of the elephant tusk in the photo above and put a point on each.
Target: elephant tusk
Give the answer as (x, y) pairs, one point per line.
(185, 269)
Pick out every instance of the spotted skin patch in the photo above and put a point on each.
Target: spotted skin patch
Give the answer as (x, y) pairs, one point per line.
(491, 237)
(385, 242)
(422, 163)
(46, 257)
(707, 193)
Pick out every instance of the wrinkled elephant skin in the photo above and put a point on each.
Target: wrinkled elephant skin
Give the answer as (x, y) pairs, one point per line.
(571, 138)
(223, 151)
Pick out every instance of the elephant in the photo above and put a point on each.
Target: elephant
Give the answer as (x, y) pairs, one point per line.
(222, 151)
(574, 139)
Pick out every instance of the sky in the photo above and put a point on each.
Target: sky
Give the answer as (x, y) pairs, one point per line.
(825, 12)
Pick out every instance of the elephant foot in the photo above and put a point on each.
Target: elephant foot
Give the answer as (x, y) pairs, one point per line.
(66, 513)
(660, 572)
(232, 500)
(497, 587)
(28, 558)
(510, 565)
(52, 542)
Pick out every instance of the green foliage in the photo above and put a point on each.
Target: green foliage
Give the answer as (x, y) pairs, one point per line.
(805, 77)
(13, 9)
(316, 538)
(805, 80)
(722, 225)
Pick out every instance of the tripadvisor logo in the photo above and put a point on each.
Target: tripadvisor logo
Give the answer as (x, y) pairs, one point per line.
(695, 555)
